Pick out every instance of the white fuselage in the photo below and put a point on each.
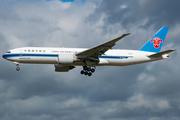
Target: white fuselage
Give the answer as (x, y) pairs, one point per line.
(44, 55)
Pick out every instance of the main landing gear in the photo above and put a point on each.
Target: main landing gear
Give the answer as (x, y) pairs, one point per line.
(87, 70)
(17, 64)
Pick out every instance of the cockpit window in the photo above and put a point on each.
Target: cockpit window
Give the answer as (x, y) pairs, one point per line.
(8, 52)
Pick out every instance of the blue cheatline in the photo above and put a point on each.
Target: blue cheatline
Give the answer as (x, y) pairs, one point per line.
(11, 55)
(28, 55)
(156, 42)
(114, 57)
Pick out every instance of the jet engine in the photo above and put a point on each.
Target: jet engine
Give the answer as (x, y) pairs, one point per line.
(63, 68)
(66, 58)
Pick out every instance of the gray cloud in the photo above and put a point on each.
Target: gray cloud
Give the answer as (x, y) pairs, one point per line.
(146, 91)
(141, 12)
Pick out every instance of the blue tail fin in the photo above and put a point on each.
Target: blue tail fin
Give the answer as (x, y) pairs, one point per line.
(156, 42)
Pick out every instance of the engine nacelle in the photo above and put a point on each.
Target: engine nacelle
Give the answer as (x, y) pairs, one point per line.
(66, 58)
(63, 68)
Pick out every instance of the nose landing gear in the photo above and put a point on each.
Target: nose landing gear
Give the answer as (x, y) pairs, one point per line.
(18, 68)
(17, 64)
(87, 70)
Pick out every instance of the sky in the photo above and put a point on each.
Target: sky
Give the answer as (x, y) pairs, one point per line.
(148, 91)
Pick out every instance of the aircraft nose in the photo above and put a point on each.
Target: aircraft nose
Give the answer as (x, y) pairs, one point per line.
(4, 56)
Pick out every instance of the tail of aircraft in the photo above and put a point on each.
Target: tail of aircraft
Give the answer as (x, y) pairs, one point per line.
(156, 42)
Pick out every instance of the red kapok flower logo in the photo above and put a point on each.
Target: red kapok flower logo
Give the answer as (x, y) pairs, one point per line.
(156, 41)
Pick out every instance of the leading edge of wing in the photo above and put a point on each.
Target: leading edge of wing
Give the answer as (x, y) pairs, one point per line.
(100, 49)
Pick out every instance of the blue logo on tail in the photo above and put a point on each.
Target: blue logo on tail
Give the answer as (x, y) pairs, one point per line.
(156, 42)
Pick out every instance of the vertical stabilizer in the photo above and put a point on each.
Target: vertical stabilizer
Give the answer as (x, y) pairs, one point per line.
(156, 42)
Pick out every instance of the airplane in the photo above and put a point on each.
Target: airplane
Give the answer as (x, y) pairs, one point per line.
(65, 59)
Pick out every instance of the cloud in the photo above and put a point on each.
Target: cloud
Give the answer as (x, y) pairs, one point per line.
(159, 13)
(139, 101)
(144, 91)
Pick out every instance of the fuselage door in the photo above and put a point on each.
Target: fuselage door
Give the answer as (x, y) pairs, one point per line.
(20, 52)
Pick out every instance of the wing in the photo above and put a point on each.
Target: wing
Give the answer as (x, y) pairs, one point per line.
(94, 52)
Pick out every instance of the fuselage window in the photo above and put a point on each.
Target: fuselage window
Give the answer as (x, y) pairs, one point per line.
(36, 50)
(28, 50)
(43, 50)
(32, 50)
(24, 50)
(39, 50)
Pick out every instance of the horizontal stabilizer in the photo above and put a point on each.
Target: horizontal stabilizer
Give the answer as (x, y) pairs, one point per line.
(161, 53)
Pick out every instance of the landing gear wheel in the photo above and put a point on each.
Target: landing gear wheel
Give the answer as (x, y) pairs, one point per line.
(17, 68)
(92, 70)
(85, 73)
(89, 69)
(82, 71)
(85, 68)
(89, 74)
